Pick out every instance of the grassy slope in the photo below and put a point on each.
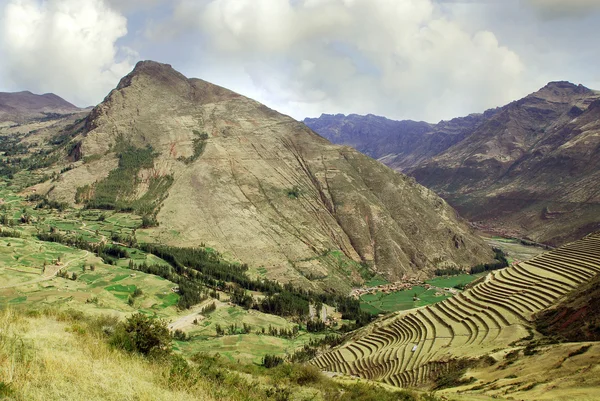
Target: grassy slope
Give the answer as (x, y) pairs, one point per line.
(52, 358)
(64, 355)
(554, 372)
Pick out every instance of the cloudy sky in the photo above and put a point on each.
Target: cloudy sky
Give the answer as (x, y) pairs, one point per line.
(417, 59)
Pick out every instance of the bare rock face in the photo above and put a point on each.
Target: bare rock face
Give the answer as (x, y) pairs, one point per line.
(528, 169)
(21, 107)
(268, 191)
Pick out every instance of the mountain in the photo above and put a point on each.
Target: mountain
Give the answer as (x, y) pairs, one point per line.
(399, 144)
(216, 168)
(528, 169)
(20, 107)
(532, 168)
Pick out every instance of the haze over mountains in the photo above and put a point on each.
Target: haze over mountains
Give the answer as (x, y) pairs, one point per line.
(529, 168)
(259, 186)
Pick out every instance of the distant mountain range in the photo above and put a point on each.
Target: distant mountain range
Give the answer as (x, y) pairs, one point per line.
(20, 107)
(530, 168)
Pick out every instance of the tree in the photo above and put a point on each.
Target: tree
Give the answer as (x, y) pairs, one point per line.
(270, 361)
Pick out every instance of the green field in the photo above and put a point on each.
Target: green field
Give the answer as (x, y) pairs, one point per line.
(399, 300)
(452, 281)
(403, 300)
(247, 348)
(376, 281)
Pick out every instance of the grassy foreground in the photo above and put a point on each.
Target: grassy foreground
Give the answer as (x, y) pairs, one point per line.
(57, 355)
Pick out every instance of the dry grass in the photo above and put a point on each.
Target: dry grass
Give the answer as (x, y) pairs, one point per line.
(52, 357)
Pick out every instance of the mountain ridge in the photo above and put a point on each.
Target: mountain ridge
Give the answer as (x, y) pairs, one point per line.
(492, 171)
(24, 106)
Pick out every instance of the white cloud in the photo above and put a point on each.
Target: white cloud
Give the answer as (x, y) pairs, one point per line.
(63, 46)
(399, 58)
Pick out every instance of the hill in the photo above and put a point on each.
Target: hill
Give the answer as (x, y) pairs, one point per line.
(21, 107)
(489, 323)
(211, 166)
(527, 169)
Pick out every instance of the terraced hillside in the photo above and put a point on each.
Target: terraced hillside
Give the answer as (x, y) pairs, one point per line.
(411, 348)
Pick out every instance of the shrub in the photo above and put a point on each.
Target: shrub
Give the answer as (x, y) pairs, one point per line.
(5, 390)
(144, 335)
(294, 192)
(209, 308)
(300, 374)
(370, 392)
(530, 350)
(180, 335)
(579, 351)
(453, 375)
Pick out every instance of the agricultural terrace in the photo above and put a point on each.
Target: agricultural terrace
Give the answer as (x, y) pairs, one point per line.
(408, 348)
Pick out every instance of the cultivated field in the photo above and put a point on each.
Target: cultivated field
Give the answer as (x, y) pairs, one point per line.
(409, 348)
(415, 297)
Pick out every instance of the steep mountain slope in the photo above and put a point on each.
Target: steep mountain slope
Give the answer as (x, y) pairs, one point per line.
(529, 168)
(21, 107)
(577, 318)
(217, 168)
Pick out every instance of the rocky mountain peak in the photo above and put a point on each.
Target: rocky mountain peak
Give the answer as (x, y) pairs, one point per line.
(157, 73)
(562, 91)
